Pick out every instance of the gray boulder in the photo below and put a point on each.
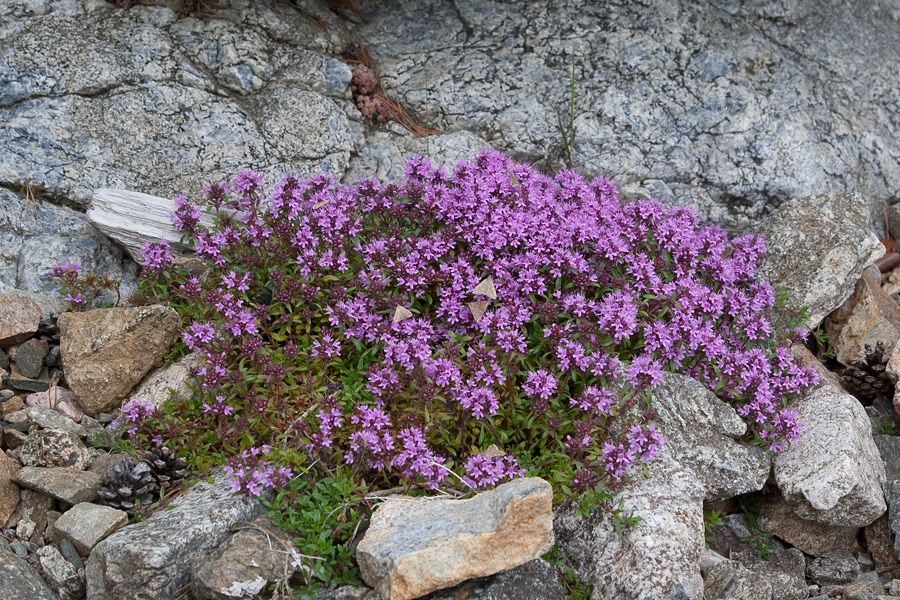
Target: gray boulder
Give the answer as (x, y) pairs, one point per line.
(145, 100)
(153, 559)
(734, 108)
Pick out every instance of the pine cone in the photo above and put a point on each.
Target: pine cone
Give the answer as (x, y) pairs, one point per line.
(868, 379)
(168, 469)
(128, 483)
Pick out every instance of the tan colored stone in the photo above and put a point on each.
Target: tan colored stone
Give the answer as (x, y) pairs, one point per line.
(416, 546)
(816, 539)
(880, 544)
(9, 490)
(85, 524)
(869, 317)
(19, 318)
(106, 352)
(156, 387)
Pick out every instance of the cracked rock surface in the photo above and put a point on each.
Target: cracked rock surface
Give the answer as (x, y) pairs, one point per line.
(732, 106)
(95, 96)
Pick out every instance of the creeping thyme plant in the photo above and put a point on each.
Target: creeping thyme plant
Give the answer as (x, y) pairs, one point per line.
(454, 331)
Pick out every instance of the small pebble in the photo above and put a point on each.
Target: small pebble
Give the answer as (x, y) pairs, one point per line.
(5, 546)
(105, 418)
(67, 549)
(20, 549)
(6, 394)
(52, 359)
(893, 587)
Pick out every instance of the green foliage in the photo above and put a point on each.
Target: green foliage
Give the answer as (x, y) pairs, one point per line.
(573, 586)
(326, 513)
(886, 426)
(711, 519)
(761, 541)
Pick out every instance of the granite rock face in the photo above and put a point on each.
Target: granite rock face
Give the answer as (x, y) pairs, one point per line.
(818, 248)
(158, 384)
(144, 100)
(18, 580)
(416, 546)
(153, 559)
(733, 107)
(833, 473)
(106, 352)
(254, 556)
(816, 539)
(36, 235)
(701, 433)
(54, 448)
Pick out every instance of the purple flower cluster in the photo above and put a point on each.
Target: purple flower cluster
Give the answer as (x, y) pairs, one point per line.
(251, 474)
(487, 471)
(134, 413)
(156, 255)
(463, 299)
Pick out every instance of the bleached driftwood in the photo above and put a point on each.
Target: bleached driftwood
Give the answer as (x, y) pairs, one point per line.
(132, 219)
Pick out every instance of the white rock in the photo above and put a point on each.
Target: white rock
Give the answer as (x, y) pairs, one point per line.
(833, 473)
(132, 219)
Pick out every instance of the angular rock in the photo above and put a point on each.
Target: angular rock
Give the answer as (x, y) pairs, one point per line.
(11, 405)
(535, 580)
(816, 539)
(62, 576)
(54, 448)
(18, 381)
(19, 318)
(106, 352)
(70, 553)
(30, 357)
(19, 581)
(729, 580)
(153, 559)
(34, 506)
(657, 558)
(701, 433)
(85, 524)
(868, 317)
(880, 543)
(783, 570)
(865, 587)
(159, 384)
(47, 418)
(254, 556)
(833, 473)
(817, 249)
(834, 568)
(69, 485)
(414, 547)
(9, 490)
(133, 219)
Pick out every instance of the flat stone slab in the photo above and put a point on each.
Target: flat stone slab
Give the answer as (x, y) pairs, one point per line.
(85, 524)
(416, 546)
(63, 483)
